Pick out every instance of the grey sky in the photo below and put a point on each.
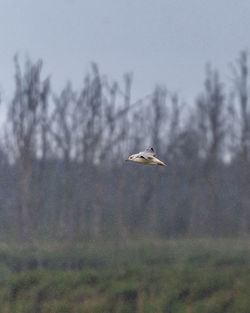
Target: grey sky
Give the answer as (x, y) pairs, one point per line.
(160, 41)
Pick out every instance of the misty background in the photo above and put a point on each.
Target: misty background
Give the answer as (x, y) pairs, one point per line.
(163, 42)
(92, 83)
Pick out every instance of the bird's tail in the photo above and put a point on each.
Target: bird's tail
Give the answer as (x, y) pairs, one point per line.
(161, 163)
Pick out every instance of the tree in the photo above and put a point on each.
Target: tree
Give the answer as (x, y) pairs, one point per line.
(211, 127)
(24, 118)
(241, 115)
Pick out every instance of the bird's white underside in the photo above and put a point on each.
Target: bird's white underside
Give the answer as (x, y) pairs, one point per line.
(152, 161)
(143, 161)
(146, 157)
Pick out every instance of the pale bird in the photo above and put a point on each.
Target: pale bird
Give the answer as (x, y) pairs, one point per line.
(146, 157)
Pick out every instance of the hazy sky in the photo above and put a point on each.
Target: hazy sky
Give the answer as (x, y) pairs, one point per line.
(160, 41)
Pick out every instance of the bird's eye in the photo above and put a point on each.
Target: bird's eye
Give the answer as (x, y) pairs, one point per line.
(142, 157)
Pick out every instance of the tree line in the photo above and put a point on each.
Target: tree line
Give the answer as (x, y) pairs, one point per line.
(63, 175)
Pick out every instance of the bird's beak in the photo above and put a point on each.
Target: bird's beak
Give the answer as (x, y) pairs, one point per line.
(126, 160)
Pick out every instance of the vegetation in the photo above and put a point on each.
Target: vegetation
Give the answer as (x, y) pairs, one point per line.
(178, 276)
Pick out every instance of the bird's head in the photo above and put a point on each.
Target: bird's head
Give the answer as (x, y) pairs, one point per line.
(131, 158)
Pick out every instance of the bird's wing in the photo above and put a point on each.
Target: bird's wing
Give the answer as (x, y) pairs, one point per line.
(150, 151)
(147, 154)
(142, 155)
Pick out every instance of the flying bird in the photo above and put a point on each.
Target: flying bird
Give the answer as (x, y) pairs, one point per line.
(146, 157)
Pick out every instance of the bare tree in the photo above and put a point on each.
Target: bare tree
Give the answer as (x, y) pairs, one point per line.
(241, 115)
(211, 123)
(65, 153)
(24, 119)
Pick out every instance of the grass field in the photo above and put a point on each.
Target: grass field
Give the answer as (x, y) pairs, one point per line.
(181, 276)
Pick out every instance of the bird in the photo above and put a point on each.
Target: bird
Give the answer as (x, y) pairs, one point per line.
(147, 156)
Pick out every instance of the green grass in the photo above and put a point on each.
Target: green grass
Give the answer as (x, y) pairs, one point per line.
(181, 276)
